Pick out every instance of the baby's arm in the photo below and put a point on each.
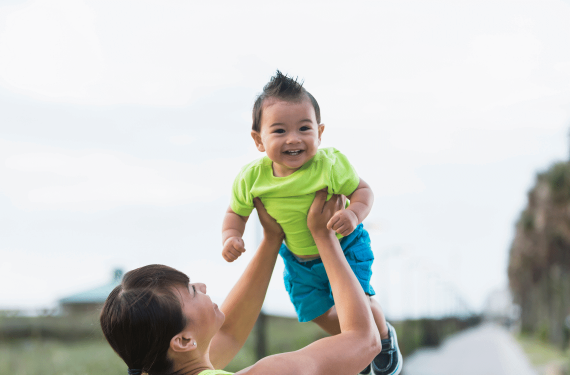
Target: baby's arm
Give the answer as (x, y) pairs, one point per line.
(345, 221)
(232, 232)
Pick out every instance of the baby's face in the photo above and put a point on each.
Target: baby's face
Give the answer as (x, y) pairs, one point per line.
(289, 134)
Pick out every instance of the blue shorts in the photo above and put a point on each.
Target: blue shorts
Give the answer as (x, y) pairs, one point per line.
(307, 282)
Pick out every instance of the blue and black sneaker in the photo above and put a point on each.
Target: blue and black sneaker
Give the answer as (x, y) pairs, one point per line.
(389, 360)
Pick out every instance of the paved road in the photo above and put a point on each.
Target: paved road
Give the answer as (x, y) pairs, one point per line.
(485, 350)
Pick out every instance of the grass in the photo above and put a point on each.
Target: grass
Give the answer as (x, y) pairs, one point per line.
(283, 335)
(93, 356)
(80, 349)
(542, 354)
(40, 357)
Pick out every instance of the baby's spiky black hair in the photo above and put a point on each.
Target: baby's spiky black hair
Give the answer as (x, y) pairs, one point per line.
(282, 87)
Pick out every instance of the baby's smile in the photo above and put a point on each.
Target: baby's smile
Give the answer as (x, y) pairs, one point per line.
(293, 152)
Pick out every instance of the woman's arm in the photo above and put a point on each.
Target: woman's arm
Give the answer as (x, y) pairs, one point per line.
(243, 303)
(359, 341)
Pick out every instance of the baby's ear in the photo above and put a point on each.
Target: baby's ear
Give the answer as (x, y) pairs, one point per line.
(257, 139)
(321, 130)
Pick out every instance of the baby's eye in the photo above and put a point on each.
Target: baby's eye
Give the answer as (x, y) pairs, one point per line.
(305, 128)
(280, 131)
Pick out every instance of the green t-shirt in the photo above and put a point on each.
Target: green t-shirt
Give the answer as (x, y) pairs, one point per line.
(288, 199)
(215, 372)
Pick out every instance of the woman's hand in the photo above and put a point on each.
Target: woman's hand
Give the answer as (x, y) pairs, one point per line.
(321, 212)
(270, 227)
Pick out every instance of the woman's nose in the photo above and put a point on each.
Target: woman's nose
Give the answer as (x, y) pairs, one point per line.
(201, 287)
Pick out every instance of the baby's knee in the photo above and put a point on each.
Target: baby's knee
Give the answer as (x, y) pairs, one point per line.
(327, 316)
(328, 322)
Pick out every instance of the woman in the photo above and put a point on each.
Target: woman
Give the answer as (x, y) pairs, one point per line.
(159, 323)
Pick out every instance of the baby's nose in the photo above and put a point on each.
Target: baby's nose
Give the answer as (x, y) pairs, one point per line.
(293, 138)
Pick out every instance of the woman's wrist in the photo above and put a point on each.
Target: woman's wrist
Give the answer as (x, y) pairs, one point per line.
(273, 236)
(323, 234)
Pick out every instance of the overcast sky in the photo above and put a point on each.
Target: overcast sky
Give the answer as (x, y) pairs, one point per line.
(124, 123)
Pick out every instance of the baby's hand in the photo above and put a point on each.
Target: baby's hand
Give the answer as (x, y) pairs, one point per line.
(233, 248)
(343, 222)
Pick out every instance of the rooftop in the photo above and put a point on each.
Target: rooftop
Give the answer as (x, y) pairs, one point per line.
(95, 295)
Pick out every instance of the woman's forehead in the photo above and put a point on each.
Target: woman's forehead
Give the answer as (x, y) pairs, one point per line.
(183, 292)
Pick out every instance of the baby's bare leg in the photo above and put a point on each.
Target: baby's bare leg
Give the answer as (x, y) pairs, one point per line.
(329, 320)
(379, 318)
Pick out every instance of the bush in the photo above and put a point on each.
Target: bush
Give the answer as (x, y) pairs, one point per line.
(558, 178)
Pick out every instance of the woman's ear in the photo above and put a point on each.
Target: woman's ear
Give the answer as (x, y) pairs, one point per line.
(257, 139)
(182, 342)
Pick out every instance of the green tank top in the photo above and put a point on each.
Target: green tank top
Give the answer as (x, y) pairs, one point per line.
(215, 372)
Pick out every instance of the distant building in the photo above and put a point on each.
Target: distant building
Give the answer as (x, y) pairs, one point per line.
(90, 300)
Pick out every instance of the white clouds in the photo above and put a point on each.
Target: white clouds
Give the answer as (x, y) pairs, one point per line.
(563, 67)
(49, 49)
(494, 72)
(108, 52)
(182, 140)
(498, 71)
(402, 87)
(505, 56)
(42, 277)
(39, 177)
(169, 54)
(105, 180)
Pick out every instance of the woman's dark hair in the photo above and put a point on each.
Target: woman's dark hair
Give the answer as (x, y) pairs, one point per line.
(142, 315)
(283, 88)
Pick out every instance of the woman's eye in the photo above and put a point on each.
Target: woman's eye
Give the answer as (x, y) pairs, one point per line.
(194, 289)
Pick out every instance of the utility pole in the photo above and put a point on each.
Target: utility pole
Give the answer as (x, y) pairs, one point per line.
(261, 323)
(261, 334)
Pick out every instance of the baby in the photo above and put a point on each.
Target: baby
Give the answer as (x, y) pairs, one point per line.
(287, 127)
